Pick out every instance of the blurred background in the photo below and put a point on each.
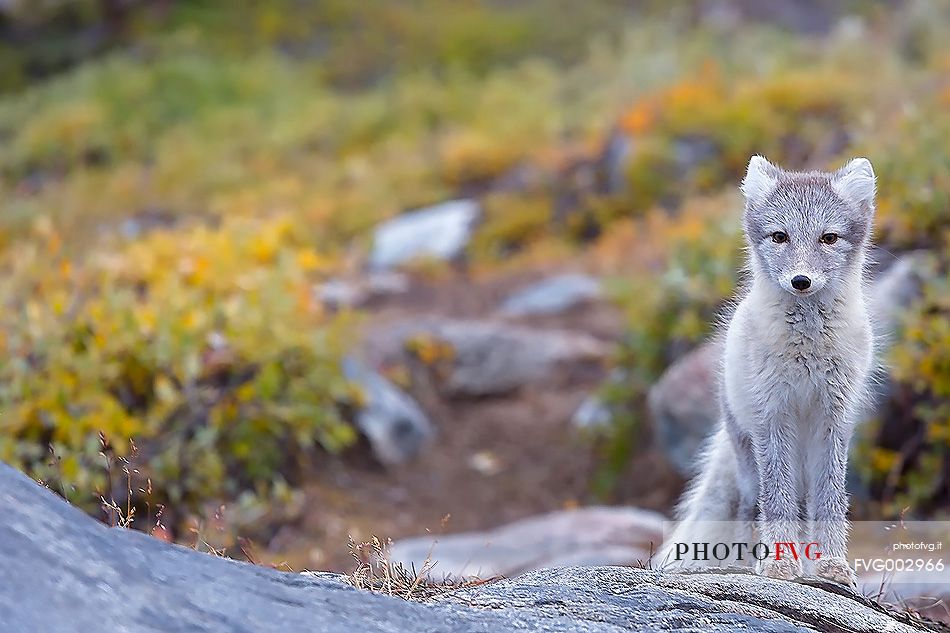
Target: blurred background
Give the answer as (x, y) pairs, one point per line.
(277, 275)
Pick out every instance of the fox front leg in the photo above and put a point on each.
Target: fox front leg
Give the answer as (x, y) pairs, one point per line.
(778, 499)
(828, 501)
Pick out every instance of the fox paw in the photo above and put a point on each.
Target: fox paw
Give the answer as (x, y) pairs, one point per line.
(784, 569)
(837, 570)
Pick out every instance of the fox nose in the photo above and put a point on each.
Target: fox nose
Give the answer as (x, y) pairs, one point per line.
(801, 282)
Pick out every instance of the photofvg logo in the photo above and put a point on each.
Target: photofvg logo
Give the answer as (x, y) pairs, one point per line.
(742, 552)
(888, 552)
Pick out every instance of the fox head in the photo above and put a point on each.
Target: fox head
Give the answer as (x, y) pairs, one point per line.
(808, 230)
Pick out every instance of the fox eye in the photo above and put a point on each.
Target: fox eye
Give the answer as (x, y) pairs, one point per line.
(779, 237)
(829, 238)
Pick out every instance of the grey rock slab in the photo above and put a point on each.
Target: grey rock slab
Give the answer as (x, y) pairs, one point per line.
(341, 293)
(585, 536)
(440, 232)
(630, 599)
(488, 357)
(552, 296)
(64, 572)
(395, 425)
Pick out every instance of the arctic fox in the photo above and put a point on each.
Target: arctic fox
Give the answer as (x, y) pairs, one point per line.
(795, 370)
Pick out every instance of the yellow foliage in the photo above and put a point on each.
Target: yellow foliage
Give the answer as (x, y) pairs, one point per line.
(883, 460)
(430, 350)
(117, 345)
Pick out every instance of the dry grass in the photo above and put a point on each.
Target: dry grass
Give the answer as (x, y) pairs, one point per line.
(375, 571)
(923, 609)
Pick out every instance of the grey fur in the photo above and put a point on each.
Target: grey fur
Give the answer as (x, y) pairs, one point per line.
(795, 372)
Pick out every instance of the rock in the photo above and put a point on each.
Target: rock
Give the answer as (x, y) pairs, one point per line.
(386, 283)
(72, 574)
(485, 463)
(484, 358)
(147, 220)
(683, 406)
(552, 296)
(683, 403)
(593, 535)
(627, 599)
(811, 17)
(613, 162)
(338, 293)
(439, 232)
(895, 289)
(396, 427)
(593, 414)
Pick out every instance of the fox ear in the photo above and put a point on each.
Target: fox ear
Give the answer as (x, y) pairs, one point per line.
(855, 182)
(760, 178)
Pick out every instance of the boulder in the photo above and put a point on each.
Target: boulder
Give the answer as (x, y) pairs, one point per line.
(482, 358)
(67, 573)
(552, 296)
(584, 536)
(895, 289)
(683, 406)
(396, 427)
(438, 232)
(339, 293)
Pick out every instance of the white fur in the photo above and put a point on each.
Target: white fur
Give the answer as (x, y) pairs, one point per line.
(759, 179)
(855, 182)
(795, 374)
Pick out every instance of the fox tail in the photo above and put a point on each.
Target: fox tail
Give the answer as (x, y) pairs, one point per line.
(707, 512)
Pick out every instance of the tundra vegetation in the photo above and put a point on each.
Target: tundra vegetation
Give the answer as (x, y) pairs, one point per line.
(170, 196)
